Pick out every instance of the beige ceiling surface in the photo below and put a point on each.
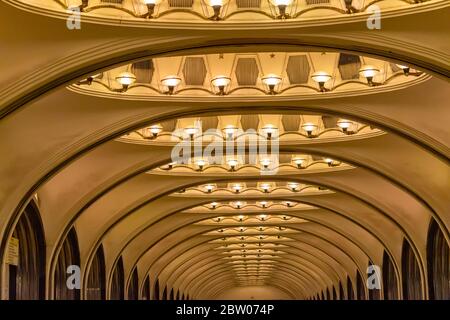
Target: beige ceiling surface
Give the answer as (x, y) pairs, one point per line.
(73, 147)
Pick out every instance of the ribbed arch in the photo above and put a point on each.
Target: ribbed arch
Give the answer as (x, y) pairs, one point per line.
(118, 282)
(438, 255)
(412, 283)
(96, 283)
(68, 263)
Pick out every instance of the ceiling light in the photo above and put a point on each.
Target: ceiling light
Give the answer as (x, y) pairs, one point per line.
(171, 82)
(270, 130)
(349, 6)
(209, 188)
(263, 204)
(271, 81)
(369, 72)
(152, 131)
(238, 204)
(265, 162)
(329, 161)
(200, 164)
(282, 5)
(220, 82)
(309, 127)
(237, 187)
(151, 7)
(230, 131)
(170, 165)
(262, 217)
(232, 163)
(126, 79)
(344, 124)
(293, 186)
(298, 161)
(321, 77)
(216, 5)
(214, 205)
(404, 68)
(240, 218)
(91, 78)
(265, 187)
(191, 131)
(288, 204)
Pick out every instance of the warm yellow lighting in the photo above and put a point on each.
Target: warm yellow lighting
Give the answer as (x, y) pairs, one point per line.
(214, 205)
(262, 217)
(265, 162)
(293, 186)
(230, 131)
(200, 163)
(298, 161)
(265, 187)
(220, 82)
(344, 124)
(369, 72)
(152, 131)
(329, 161)
(237, 187)
(171, 82)
(321, 77)
(191, 131)
(126, 79)
(271, 81)
(270, 130)
(232, 163)
(209, 187)
(309, 127)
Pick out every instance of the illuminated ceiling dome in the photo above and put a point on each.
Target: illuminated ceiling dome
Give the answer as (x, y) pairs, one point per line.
(180, 149)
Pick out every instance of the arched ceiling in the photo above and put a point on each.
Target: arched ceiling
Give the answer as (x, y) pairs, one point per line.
(332, 199)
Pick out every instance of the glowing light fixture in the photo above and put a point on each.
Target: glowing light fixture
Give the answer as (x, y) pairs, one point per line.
(221, 82)
(191, 131)
(171, 82)
(309, 127)
(262, 217)
(369, 72)
(321, 77)
(200, 164)
(271, 81)
(293, 186)
(214, 205)
(232, 163)
(282, 5)
(404, 68)
(238, 204)
(263, 204)
(265, 162)
(126, 79)
(270, 130)
(298, 161)
(209, 188)
(237, 187)
(265, 187)
(151, 7)
(152, 131)
(216, 5)
(345, 124)
(230, 131)
(329, 161)
(240, 218)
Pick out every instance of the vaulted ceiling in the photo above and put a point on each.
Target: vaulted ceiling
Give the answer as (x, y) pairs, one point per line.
(336, 198)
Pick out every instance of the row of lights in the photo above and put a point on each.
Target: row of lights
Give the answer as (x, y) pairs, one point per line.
(240, 218)
(125, 79)
(241, 204)
(265, 162)
(217, 5)
(269, 130)
(265, 187)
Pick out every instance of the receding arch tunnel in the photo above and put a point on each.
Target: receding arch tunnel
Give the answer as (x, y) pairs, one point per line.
(170, 155)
